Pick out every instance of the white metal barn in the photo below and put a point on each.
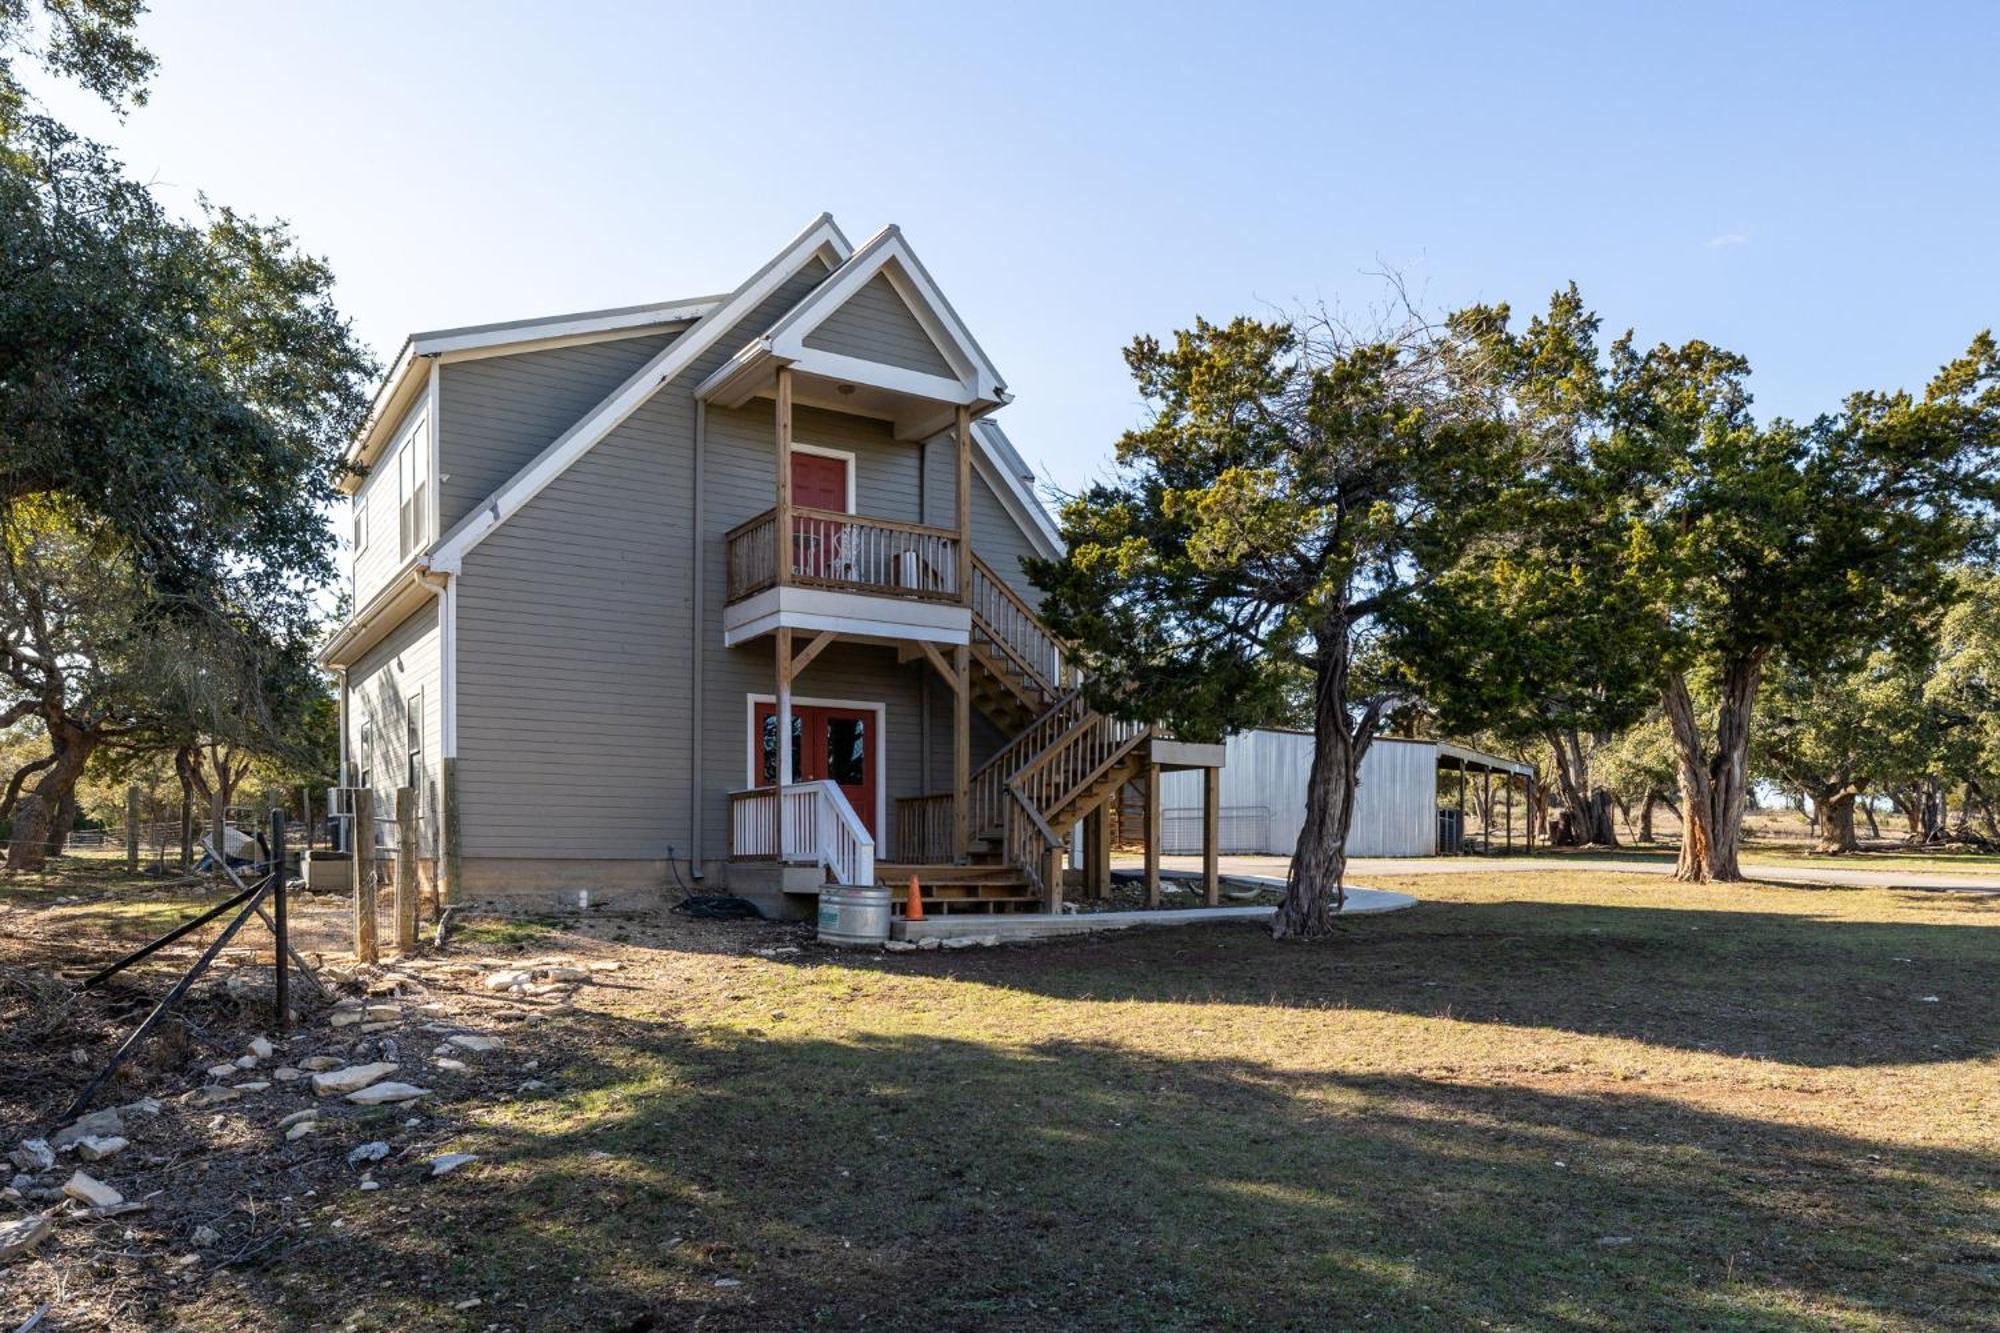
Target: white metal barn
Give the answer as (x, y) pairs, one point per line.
(1264, 792)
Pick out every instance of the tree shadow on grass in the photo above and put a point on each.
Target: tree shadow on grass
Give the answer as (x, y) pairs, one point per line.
(1787, 987)
(914, 1183)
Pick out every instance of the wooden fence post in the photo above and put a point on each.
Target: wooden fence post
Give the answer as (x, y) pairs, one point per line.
(132, 828)
(365, 949)
(218, 815)
(406, 869)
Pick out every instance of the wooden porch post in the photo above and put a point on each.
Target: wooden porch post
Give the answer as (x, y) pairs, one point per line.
(1097, 851)
(365, 948)
(964, 495)
(784, 720)
(961, 753)
(406, 869)
(784, 513)
(1211, 835)
(1486, 812)
(1152, 835)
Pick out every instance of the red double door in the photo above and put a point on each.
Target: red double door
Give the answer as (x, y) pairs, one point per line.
(828, 742)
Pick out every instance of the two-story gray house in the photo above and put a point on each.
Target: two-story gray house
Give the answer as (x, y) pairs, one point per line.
(603, 562)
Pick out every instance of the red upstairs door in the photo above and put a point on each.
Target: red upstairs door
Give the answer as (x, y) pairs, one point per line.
(840, 744)
(818, 482)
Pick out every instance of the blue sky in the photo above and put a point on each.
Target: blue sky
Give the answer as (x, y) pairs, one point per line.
(1812, 185)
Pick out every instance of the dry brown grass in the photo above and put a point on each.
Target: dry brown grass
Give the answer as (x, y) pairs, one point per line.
(1570, 1101)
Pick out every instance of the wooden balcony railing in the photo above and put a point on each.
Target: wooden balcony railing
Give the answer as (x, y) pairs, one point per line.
(848, 553)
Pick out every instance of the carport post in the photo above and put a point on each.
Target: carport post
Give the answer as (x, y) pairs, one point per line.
(406, 869)
(1461, 807)
(1211, 835)
(1152, 835)
(1486, 811)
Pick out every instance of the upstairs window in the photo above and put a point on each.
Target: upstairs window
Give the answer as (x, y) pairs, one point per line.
(413, 775)
(412, 492)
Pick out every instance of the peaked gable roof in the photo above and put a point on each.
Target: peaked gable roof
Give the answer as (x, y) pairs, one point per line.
(821, 240)
(889, 255)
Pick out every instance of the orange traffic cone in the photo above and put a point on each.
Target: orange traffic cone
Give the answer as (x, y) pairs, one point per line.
(914, 910)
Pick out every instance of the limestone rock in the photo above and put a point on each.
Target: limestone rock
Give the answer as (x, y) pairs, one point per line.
(205, 1235)
(95, 1149)
(930, 942)
(564, 974)
(23, 1234)
(605, 967)
(213, 1095)
(368, 1152)
(351, 1079)
(33, 1155)
(86, 1189)
(255, 1085)
(900, 946)
(316, 1063)
(286, 1074)
(452, 1066)
(221, 1071)
(245, 1062)
(341, 1018)
(382, 1013)
(98, 1124)
(476, 1042)
(450, 1162)
(507, 980)
(261, 1048)
(375, 1094)
(300, 1130)
(298, 1117)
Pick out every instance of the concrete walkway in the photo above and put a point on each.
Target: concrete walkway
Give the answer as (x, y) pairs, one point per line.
(1046, 925)
(1275, 867)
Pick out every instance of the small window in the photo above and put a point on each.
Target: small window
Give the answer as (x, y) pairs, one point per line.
(412, 486)
(847, 750)
(769, 747)
(364, 764)
(414, 774)
(360, 503)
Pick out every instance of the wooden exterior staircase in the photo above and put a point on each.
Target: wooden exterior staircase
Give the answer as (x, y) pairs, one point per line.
(1063, 762)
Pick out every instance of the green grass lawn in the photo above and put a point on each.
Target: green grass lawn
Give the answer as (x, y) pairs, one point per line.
(1560, 1101)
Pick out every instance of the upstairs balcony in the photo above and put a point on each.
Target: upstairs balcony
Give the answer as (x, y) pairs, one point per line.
(859, 576)
(847, 553)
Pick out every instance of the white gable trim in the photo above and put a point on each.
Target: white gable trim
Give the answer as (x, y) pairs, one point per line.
(399, 386)
(889, 254)
(1000, 465)
(822, 239)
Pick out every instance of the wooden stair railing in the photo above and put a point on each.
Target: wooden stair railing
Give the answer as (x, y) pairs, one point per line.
(1033, 789)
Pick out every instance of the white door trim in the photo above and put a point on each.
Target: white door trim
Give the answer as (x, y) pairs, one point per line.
(881, 710)
(822, 451)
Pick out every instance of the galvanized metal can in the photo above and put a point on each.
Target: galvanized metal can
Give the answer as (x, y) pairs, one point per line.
(853, 914)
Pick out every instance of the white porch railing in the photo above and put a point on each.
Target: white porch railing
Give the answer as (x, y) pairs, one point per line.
(819, 827)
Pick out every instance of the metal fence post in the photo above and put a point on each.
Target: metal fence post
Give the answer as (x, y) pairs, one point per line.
(279, 926)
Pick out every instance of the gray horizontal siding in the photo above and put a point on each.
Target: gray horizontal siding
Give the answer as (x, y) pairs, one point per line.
(497, 413)
(876, 325)
(380, 687)
(575, 640)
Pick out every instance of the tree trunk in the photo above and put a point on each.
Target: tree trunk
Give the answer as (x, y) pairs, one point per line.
(1714, 785)
(1313, 889)
(39, 813)
(1874, 829)
(1835, 807)
(1646, 817)
(1591, 822)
